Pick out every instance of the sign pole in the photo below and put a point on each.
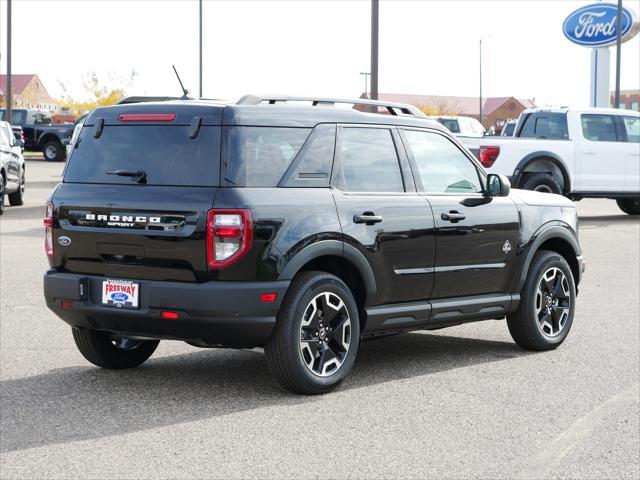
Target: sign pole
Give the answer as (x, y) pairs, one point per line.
(374, 49)
(618, 52)
(8, 95)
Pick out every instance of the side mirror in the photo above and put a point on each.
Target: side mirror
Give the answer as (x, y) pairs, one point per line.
(498, 185)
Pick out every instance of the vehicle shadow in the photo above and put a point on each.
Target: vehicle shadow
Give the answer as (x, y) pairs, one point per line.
(79, 403)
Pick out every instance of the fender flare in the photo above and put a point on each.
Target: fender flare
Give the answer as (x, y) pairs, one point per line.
(555, 231)
(531, 157)
(45, 134)
(337, 249)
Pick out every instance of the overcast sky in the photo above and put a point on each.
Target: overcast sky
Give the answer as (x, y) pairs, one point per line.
(310, 47)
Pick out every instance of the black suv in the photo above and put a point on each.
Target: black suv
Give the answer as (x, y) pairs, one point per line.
(297, 226)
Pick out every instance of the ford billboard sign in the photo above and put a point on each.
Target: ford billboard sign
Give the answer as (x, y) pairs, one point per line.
(595, 25)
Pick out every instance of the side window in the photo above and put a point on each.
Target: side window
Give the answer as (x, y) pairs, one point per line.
(545, 125)
(442, 167)
(368, 161)
(312, 166)
(598, 128)
(259, 156)
(632, 125)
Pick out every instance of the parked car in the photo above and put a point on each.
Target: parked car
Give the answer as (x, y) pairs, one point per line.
(579, 153)
(466, 126)
(12, 168)
(40, 134)
(70, 141)
(509, 128)
(300, 229)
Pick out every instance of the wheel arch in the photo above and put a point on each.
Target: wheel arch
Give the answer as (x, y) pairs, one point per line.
(556, 239)
(547, 158)
(337, 258)
(48, 137)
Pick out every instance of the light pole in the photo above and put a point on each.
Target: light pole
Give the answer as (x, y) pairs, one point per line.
(375, 4)
(200, 22)
(481, 40)
(8, 95)
(366, 79)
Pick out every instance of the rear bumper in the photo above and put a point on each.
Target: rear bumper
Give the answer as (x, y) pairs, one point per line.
(225, 313)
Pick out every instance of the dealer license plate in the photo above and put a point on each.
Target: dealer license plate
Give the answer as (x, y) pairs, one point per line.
(120, 293)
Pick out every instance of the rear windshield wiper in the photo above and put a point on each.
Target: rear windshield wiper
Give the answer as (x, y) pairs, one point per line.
(141, 175)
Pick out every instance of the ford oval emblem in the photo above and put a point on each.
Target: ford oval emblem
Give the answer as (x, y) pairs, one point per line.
(595, 25)
(64, 241)
(120, 297)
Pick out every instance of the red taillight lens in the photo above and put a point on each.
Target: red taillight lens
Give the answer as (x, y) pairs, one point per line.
(147, 117)
(268, 297)
(48, 230)
(167, 315)
(229, 236)
(488, 155)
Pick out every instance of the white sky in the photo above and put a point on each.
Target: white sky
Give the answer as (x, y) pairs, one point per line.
(311, 47)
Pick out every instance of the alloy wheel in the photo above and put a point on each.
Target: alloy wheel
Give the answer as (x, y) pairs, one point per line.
(50, 152)
(553, 302)
(124, 343)
(325, 334)
(543, 189)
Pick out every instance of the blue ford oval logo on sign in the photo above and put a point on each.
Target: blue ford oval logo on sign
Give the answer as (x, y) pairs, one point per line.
(595, 25)
(119, 297)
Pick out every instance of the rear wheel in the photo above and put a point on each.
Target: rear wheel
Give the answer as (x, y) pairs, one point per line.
(17, 198)
(542, 182)
(317, 333)
(53, 151)
(112, 351)
(629, 206)
(547, 304)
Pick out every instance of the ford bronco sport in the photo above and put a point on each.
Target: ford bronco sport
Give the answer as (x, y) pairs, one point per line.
(297, 226)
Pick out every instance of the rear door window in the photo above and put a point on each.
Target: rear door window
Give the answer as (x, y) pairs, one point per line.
(545, 125)
(598, 128)
(632, 126)
(368, 161)
(259, 156)
(166, 154)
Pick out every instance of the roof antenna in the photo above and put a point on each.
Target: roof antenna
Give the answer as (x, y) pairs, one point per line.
(185, 92)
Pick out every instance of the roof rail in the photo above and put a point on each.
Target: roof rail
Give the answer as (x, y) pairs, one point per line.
(392, 107)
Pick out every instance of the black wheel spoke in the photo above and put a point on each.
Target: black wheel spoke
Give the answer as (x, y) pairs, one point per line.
(553, 302)
(328, 311)
(326, 355)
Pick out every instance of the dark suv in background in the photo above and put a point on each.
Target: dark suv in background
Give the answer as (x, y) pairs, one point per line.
(292, 224)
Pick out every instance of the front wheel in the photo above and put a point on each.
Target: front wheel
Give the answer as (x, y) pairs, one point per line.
(53, 151)
(629, 206)
(112, 351)
(17, 198)
(315, 342)
(547, 304)
(1, 194)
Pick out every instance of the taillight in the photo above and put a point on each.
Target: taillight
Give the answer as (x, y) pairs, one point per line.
(48, 230)
(229, 236)
(147, 117)
(488, 155)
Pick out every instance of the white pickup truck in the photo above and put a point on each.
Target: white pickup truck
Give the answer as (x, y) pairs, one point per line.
(579, 153)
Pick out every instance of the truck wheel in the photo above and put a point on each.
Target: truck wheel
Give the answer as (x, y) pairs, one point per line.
(629, 206)
(315, 342)
(17, 198)
(547, 304)
(53, 151)
(542, 182)
(1, 194)
(111, 351)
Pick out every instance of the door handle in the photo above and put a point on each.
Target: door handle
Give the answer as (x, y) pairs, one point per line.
(368, 218)
(453, 216)
(589, 152)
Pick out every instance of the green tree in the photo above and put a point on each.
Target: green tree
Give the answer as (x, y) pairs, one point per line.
(95, 92)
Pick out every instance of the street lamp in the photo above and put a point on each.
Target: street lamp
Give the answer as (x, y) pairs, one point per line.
(481, 40)
(366, 79)
(200, 71)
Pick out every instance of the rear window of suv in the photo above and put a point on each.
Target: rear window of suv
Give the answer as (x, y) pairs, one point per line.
(165, 153)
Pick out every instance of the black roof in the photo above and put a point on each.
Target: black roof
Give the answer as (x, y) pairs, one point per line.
(280, 115)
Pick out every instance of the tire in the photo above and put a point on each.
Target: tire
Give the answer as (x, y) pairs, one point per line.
(629, 206)
(17, 198)
(53, 151)
(108, 351)
(1, 194)
(304, 354)
(542, 182)
(531, 326)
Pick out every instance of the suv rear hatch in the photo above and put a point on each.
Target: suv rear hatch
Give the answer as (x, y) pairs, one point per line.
(136, 192)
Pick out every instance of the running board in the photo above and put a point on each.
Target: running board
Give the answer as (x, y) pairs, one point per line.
(394, 318)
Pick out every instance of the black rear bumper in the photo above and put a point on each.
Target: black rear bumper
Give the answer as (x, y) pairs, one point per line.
(225, 313)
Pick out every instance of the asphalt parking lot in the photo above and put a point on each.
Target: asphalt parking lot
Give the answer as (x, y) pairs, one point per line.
(463, 402)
